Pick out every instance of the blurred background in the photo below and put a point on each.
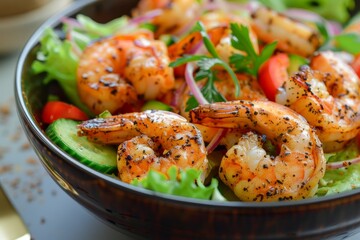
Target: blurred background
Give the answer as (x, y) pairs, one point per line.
(20, 18)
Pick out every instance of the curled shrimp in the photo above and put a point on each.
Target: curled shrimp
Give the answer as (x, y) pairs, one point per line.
(250, 90)
(247, 169)
(117, 71)
(328, 96)
(149, 140)
(291, 36)
(177, 15)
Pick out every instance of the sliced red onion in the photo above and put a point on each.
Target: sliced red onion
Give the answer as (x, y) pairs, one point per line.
(346, 163)
(145, 17)
(216, 140)
(177, 93)
(231, 6)
(69, 36)
(72, 22)
(194, 89)
(302, 14)
(334, 28)
(76, 49)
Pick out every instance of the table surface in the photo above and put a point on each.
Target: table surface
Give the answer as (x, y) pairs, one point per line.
(48, 212)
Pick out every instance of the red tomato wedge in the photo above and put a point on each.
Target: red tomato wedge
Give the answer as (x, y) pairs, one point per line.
(273, 73)
(356, 64)
(54, 110)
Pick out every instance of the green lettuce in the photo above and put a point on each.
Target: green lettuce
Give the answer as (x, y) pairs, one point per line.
(342, 179)
(187, 185)
(349, 42)
(337, 10)
(56, 58)
(339, 180)
(91, 30)
(101, 29)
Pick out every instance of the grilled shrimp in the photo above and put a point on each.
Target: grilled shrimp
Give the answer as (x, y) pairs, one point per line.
(328, 97)
(250, 90)
(116, 71)
(149, 140)
(177, 15)
(291, 36)
(247, 169)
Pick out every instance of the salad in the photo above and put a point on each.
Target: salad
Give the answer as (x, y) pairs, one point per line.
(220, 100)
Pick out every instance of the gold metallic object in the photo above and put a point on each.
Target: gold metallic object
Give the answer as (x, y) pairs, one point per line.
(11, 224)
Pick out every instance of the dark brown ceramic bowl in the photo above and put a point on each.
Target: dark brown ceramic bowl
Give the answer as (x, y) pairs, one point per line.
(146, 214)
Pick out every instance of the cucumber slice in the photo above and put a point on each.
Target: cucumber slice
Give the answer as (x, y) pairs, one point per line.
(63, 132)
(155, 105)
(295, 62)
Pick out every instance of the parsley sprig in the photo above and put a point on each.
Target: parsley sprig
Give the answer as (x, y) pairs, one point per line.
(205, 64)
(251, 62)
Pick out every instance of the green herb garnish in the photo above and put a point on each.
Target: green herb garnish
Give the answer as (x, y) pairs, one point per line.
(205, 64)
(251, 62)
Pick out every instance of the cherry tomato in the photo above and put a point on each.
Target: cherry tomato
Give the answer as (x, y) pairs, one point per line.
(273, 73)
(356, 64)
(180, 71)
(54, 110)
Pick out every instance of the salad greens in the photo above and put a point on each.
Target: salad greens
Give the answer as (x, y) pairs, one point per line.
(339, 180)
(51, 56)
(349, 42)
(96, 30)
(187, 184)
(337, 10)
(54, 51)
(342, 179)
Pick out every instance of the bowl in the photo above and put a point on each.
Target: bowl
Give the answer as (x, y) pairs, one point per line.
(145, 214)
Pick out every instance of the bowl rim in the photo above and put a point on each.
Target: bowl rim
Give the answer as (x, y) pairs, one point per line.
(22, 110)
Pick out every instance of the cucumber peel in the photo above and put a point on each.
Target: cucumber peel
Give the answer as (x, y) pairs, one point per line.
(63, 132)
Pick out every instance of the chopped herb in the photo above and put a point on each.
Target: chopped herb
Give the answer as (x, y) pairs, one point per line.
(251, 62)
(205, 64)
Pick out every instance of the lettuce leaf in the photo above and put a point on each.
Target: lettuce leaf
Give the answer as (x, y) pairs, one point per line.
(89, 30)
(101, 29)
(187, 185)
(349, 42)
(56, 58)
(337, 10)
(342, 179)
(339, 180)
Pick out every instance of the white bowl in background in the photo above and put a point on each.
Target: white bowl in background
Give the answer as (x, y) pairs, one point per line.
(15, 29)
